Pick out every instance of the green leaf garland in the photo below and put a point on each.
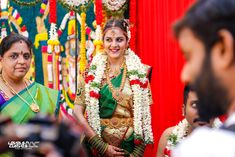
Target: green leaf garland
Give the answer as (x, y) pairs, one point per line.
(27, 4)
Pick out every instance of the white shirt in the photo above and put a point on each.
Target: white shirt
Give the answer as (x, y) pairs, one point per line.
(206, 142)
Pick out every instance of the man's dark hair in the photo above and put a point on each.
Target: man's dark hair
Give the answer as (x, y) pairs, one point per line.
(8, 41)
(187, 89)
(205, 18)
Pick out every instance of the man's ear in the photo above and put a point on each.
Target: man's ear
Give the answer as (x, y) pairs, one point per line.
(223, 51)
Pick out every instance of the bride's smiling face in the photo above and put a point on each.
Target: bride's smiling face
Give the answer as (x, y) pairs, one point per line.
(115, 43)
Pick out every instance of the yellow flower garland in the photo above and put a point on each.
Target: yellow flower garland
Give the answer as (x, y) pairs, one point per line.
(83, 44)
(98, 45)
(43, 6)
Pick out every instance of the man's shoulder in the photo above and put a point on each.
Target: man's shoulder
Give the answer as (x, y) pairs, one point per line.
(211, 136)
(205, 142)
(205, 133)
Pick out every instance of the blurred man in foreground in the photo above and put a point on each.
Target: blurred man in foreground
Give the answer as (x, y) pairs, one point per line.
(206, 36)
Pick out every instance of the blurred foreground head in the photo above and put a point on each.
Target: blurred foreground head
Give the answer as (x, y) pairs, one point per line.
(206, 36)
(49, 137)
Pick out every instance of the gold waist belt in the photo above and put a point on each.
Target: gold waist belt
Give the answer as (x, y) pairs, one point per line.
(117, 122)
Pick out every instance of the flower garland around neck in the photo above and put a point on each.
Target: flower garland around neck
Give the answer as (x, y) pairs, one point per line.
(136, 73)
(180, 132)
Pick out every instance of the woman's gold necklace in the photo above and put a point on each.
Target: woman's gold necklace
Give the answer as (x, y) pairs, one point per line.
(34, 106)
(117, 92)
(114, 72)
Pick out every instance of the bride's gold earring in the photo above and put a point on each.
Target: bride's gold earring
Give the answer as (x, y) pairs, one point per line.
(126, 52)
(183, 110)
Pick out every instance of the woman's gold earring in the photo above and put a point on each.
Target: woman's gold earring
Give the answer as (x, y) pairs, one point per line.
(183, 110)
(104, 52)
(126, 52)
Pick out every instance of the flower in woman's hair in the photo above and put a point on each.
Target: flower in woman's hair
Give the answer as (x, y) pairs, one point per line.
(128, 33)
(126, 25)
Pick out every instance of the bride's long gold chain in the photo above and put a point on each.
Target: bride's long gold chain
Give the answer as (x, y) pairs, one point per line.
(116, 92)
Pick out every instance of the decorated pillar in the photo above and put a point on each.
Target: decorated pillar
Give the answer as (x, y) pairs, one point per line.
(53, 50)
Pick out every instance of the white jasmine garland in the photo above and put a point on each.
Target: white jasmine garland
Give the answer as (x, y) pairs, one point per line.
(146, 116)
(136, 71)
(114, 5)
(98, 63)
(98, 33)
(142, 116)
(76, 2)
(53, 32)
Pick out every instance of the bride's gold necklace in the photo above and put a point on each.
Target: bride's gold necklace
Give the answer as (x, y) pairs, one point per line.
(117, 92)
(34, 106)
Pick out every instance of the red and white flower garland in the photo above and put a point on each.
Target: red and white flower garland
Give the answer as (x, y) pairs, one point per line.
(139, 85)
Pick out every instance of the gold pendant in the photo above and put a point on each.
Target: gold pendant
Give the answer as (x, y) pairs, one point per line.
(117, 95)
(34, 107)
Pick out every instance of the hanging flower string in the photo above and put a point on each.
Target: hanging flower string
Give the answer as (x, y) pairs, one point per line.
(53, 48)
(3, 32)
(139, 83)
(98, 40)
(43, 7)
(53, 42)
(104, 17)
(52, 11)
(99, 19)
(4, 9)
(98, 12)
(83, 43)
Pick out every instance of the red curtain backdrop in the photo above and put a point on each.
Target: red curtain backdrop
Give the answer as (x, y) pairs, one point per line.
(157, 47)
